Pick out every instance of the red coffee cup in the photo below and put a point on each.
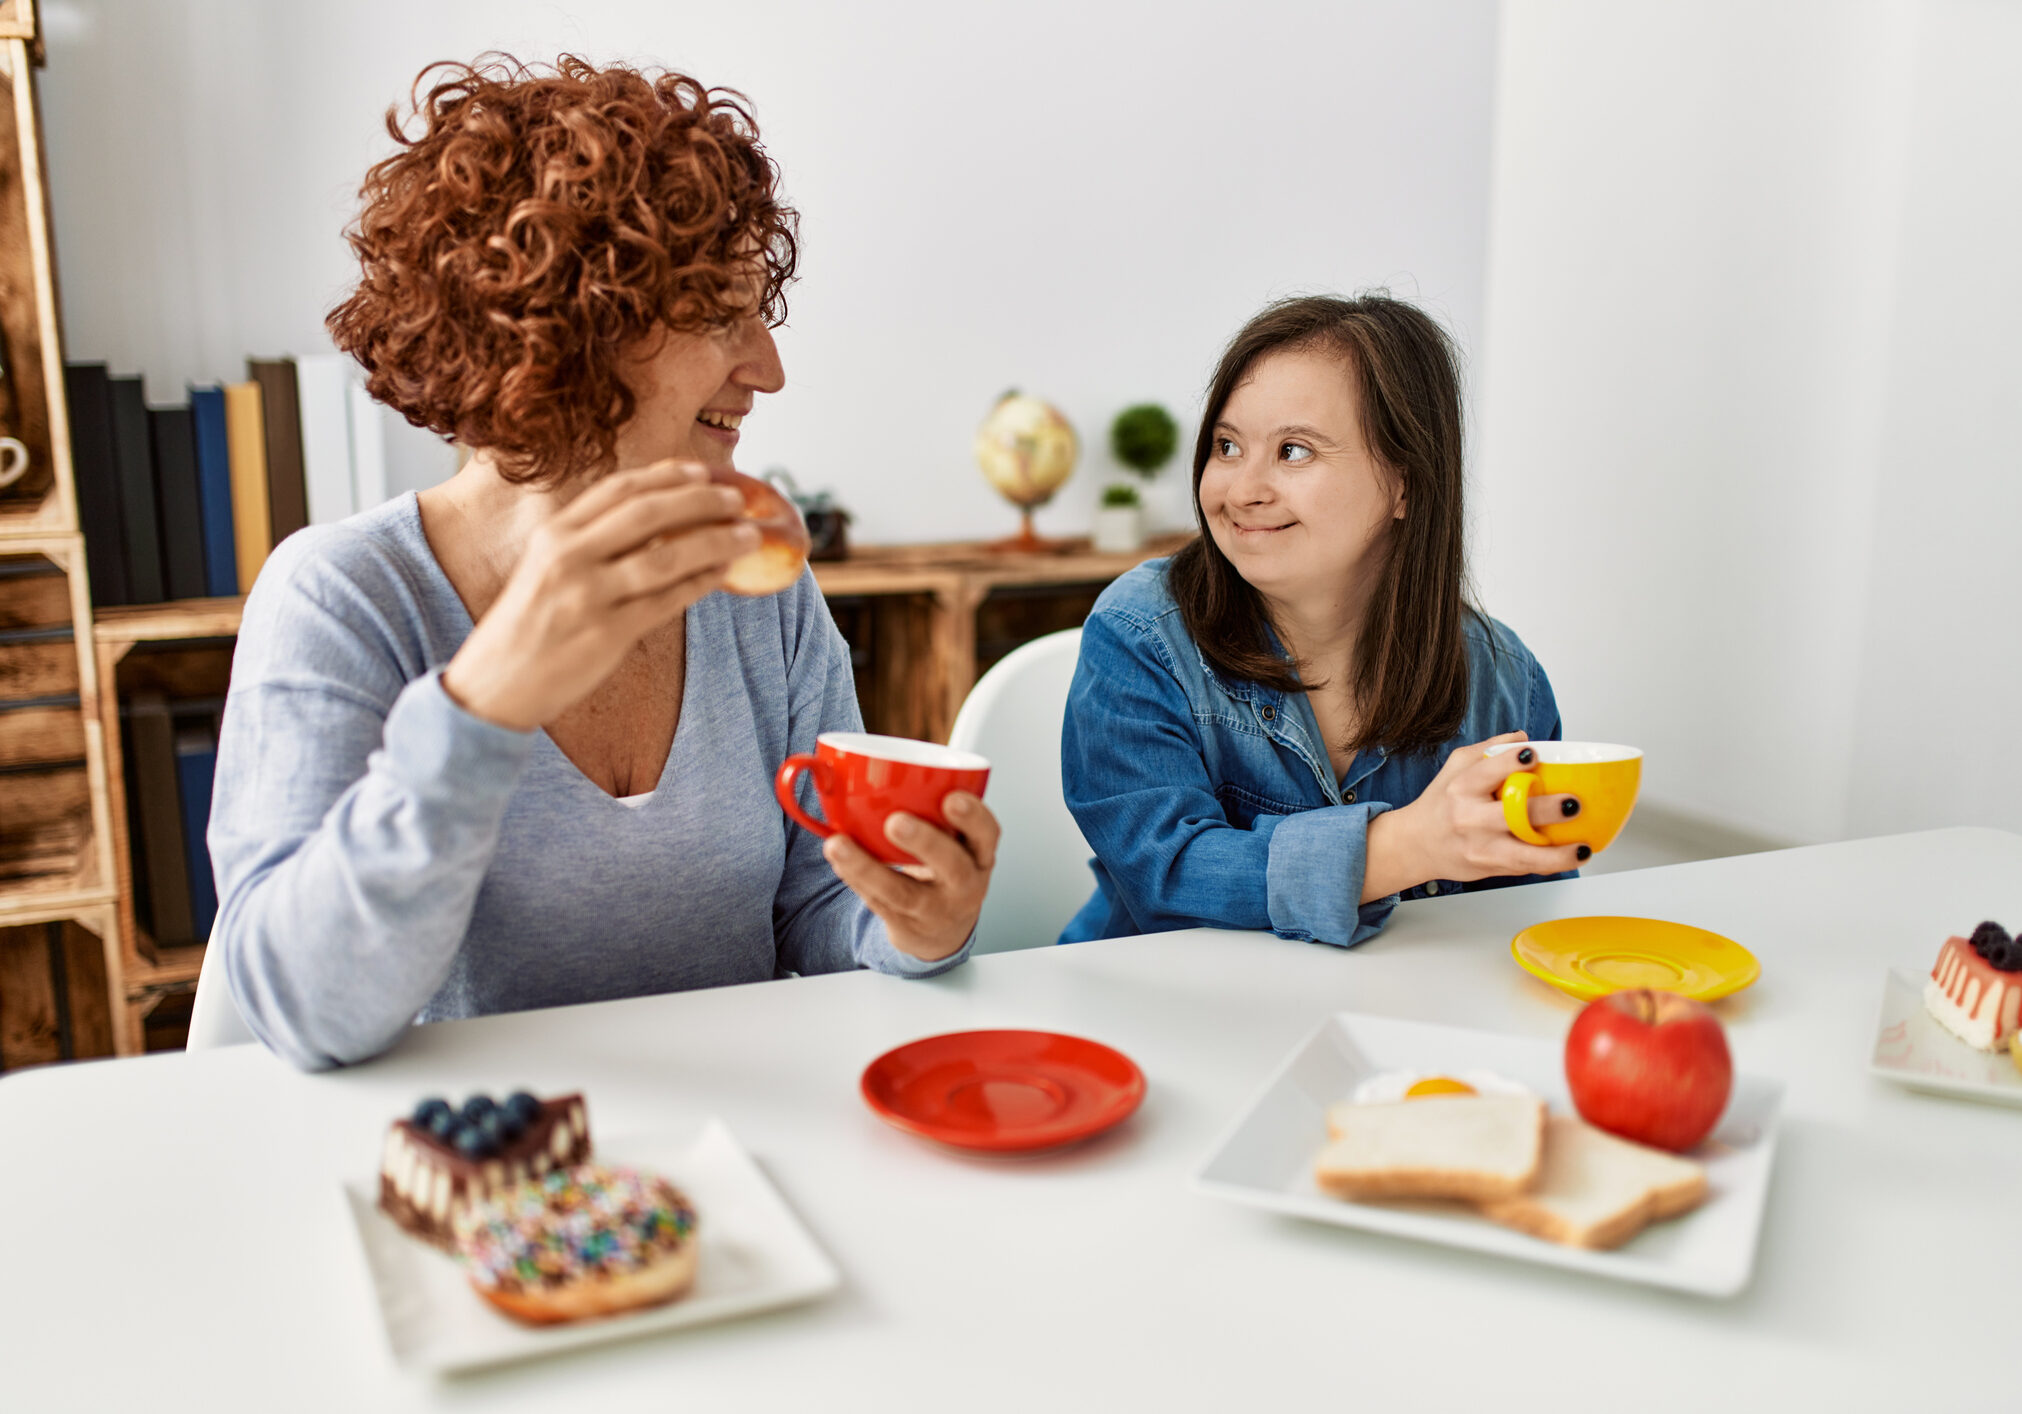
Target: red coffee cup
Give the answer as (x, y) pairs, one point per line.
(861, 780)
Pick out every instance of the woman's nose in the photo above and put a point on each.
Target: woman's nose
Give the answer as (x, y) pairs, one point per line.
(1251, 485)
(758, 364)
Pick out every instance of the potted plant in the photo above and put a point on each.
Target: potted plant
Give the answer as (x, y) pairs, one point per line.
(1143, 438)
(1119, 519)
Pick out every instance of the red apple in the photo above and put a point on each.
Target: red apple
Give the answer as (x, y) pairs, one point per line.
(1649, 1066)
(783, 545)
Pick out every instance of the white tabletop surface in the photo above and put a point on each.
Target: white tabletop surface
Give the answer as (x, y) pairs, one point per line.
(173, 1236)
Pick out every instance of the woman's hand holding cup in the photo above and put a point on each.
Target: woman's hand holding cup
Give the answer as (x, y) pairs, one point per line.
(929, 908)
(1456, 828)
(618, 561)
(906, 829)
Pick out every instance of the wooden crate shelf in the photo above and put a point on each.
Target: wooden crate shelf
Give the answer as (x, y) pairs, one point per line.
(162, 623)
(17, 20)
(55, 832)
(43, 501)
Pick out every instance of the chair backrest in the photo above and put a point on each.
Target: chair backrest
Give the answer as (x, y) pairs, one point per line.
(1013, 716)
(214, 1016)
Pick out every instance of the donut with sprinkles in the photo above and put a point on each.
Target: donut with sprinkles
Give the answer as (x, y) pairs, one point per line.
(588, 1240)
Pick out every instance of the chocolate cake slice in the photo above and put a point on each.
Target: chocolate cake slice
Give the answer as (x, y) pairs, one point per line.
(439, 1160)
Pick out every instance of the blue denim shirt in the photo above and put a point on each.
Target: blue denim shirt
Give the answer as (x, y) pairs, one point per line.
(1211, 802)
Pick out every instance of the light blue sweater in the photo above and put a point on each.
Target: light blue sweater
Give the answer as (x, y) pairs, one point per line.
(383, 856)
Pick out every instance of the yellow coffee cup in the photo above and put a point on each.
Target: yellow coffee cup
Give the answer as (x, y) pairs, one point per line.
(1604, 777)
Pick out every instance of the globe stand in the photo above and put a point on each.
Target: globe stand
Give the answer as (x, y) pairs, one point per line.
(1028, 541)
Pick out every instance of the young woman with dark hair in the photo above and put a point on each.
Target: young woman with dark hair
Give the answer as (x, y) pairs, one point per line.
(500, 745)
(1283, 725)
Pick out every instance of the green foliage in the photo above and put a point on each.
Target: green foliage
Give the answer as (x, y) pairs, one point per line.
(1120, 493)
(1144, 438)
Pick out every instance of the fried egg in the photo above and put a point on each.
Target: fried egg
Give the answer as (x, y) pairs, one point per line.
(1391, 1085)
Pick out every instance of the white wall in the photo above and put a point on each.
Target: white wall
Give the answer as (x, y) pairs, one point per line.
(1747, 439)
(1081, 199)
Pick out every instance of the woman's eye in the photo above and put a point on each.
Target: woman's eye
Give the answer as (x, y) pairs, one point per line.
(1294, 453)
(1225, 448)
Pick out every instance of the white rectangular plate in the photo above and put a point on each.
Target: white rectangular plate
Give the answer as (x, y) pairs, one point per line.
(1266, 1159)
(755, 1256)
(1913, 1049)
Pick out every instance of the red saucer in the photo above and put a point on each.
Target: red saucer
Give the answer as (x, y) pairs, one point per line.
(1003, 1090)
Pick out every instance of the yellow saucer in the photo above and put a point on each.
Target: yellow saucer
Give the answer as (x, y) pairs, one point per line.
(1591, 957)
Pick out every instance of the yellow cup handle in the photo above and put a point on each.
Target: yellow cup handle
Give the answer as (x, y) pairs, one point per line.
(1516, 807)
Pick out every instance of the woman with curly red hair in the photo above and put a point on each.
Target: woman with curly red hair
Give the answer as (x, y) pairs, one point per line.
(500, 745)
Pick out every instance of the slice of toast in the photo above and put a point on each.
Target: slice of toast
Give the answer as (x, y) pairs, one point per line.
(1445, 1146)
(1599, 1191)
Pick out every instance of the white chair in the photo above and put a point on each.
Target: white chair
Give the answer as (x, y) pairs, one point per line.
(214, 1016)
(1013, 716)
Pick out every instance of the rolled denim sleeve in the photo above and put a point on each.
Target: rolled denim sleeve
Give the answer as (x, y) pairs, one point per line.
(1312, 856)
(1136, 778)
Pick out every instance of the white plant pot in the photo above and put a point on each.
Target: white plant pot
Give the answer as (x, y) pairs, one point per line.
(1119, 529)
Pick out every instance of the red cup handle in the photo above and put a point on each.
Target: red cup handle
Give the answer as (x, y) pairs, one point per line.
(782, 787)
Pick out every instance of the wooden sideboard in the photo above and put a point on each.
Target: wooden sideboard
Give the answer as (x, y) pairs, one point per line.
(925, 621)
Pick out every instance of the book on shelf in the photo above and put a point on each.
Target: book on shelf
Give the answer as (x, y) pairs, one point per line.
(280, 407)
(87, 390)
(133, 456)
(188, 502)
(179, 501)
(322, 392)
(368, 446)
(246, 433)
(171, 765)
(196, 770)
(157, 808)
(214, 491)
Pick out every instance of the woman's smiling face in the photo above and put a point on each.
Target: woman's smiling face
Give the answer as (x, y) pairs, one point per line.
(1291, 492)
(694, 390)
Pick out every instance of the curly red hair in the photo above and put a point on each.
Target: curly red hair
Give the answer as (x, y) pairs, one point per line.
(542, 225)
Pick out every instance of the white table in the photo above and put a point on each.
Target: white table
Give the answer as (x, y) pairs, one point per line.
(173, 1235)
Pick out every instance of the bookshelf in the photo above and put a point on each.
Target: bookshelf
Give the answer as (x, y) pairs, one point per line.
(57, 873)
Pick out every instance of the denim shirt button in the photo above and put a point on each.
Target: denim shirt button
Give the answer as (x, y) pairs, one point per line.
(1348, 798)
(1268, 712)
(1432, 888)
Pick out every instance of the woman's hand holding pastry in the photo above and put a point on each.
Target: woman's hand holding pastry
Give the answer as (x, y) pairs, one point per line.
(617, 562)
(1455, 829)
(930, 908)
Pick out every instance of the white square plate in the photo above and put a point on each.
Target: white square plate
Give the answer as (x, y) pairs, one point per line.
(1913, 1049)
(1266, 1160)
(755, 1256)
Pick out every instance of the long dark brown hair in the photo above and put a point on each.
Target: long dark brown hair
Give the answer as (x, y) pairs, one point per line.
(1411, 678)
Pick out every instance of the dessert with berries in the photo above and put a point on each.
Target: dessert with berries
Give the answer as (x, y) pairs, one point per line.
(441, 1160)
(577, 1242)
(1975, 990)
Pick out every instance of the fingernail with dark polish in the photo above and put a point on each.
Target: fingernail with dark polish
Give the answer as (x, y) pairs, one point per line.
(1526, 756)
(1569, 807)
(1584, 854)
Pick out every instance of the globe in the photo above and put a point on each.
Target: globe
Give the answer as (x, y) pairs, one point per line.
(1027, 450)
